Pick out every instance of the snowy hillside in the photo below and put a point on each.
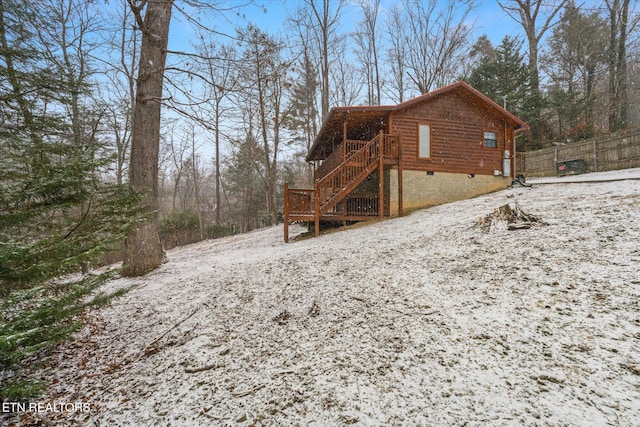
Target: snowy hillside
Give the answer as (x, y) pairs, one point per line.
(421, 320)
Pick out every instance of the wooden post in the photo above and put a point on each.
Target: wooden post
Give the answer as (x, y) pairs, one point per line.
(514, 164)
(400, 189)
(595, 155)
(344, 141)
(286, 212)
(381, 174)
(316, 203)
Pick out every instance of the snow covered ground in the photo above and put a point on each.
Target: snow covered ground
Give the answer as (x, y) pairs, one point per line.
(590, 177)
(421, 320)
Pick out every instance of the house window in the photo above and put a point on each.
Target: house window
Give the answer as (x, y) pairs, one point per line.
(490, 140)
(424, 141)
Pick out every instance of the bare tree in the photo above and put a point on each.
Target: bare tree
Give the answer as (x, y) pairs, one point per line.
(304, 118)
(619, 25)
(219, 69)
(346, 79)
(143, 249)
(436, 38)
(324, 23)
(119, 99)
(528, 14)
(576, 56)
(396, 54)
(68, 43)
(196, 174)
(265, 72)
(69, 46)
(367, 38)
(176, 148)
(118, 122)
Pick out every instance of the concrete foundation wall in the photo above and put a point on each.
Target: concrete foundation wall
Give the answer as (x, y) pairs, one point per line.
(421, 190)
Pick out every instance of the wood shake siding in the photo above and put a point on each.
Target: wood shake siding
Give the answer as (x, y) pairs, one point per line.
(458, 122)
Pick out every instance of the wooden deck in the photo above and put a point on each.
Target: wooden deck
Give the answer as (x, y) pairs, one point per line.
(333, 198)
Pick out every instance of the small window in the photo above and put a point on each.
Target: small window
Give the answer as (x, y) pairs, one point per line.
(491, 140)
(424, 144)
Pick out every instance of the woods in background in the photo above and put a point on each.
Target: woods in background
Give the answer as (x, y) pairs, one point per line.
(237, 103)
(114, 126)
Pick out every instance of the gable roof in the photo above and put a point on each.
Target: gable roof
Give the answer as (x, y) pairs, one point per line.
(364, 118)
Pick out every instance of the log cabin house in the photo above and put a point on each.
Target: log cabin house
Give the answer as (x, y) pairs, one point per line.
(377, 161)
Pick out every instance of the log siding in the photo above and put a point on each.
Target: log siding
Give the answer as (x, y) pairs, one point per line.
(457, 125)
(371, 162)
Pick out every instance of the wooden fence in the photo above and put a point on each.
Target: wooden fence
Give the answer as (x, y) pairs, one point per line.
(620, 151)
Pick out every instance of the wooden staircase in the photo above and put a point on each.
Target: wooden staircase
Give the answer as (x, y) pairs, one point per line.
(325, 201)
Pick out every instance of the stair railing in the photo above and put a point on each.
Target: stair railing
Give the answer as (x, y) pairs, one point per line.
(344, 175)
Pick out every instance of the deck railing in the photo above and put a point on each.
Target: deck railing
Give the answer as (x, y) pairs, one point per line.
(391, 147)
(362, 205)
(352, 145)
(339, 180)
(332, 187)
(300, 201)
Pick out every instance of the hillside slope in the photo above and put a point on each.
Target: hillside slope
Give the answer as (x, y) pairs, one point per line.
(421, 320)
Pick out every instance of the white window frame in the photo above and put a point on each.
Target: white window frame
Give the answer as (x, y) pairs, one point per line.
(424, 141)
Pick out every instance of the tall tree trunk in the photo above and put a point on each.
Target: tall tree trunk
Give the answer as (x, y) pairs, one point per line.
(217, 141)
(143, 249)
(527, 13)
(196, 182)
(618, 98)
(326, 23)
(614, 7)
(622, 67)
(536, 129)
(395, 25)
